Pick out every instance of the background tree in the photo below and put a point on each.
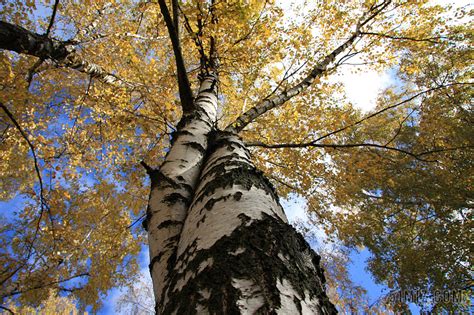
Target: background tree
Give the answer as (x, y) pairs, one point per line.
(137, 299)
(91, 91)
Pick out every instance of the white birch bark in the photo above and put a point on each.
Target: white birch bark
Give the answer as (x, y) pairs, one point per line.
(173, 185)
(237, 254)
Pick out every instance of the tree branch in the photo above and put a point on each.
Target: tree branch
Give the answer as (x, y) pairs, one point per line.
(136, 221)
(330, 145)
(7, 309)
(43, 204)
(400, 126)
(33, 70)
(70, 290)
(13, 293)
(353, 145)
(147, 167)
(388, 108)
(430, 39)
(314, 143)
(53, 16)
(175, 9)
(121, 35)
(18, 39)
(195, 37)
(185, 92)
(213, 54)
(252, 28)
(87, 31)
(33, 153)
(278, 100)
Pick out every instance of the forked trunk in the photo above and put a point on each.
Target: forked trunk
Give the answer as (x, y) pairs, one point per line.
(219, 239)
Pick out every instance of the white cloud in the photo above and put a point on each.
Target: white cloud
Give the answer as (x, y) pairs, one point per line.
(362, 88)
(295, 208)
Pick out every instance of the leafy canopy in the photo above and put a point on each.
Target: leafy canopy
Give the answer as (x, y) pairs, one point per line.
(395, 180)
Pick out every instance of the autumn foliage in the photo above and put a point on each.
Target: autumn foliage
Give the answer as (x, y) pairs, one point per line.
(396, 180)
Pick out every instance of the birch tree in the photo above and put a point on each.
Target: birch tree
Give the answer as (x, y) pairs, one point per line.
(215, 110)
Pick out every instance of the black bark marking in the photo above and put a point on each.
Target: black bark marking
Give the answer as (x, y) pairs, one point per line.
(175, 197)
(158, 179)
(211, 202)
(155, 260)
(238, 196)
(209, 90)
(230, 144)
(203, 112)
(298, 305)
(204, 98)
(168, 223)
(181, 132)
(263, 241)
(244, 218)
(147, 219)
(196, 146)
(193, 116)
(203, 219)
(172, 240)
(243, 175)
(230, 157)
(212, 89)
(176, 134)
(187, 187)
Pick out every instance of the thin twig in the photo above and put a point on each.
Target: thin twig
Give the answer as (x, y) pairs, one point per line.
(252, 28)
(336, 146)
(136, 221)
(432, 40)
(32, 71)
(400, 126)
(53, 16)
(85, 274)
(321, 68)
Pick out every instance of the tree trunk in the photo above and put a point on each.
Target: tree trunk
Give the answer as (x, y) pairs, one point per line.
(219, 239)
(172, 186)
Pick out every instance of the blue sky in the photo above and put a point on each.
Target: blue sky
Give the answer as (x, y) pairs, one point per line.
(111, 301)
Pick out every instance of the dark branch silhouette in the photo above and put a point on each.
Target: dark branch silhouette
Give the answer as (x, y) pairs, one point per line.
(53, 17)
(353, 145)
(184, 86)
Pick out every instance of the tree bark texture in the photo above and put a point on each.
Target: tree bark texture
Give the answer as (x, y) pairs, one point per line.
(18, 39)
(172, 186)
(219, 239)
